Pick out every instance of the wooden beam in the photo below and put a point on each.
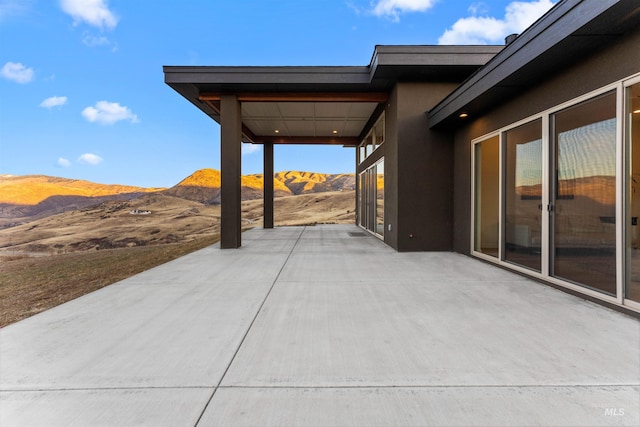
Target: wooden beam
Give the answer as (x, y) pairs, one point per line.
(301, 97)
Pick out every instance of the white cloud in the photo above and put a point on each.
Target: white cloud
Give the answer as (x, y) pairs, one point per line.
(478, 8)
(90, 40)
(17, 72)
(90, 159)
(63, 163)
(248, 149)
(519, 15)
(108, 113)
(393, 8)
(54, 101)
(93, 41)
(10, 8)
(93, 12)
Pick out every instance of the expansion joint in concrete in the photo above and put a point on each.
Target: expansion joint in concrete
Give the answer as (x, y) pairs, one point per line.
(284, 264)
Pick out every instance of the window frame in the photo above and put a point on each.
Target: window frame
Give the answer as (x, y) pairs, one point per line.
(369, 145)
(622, 170)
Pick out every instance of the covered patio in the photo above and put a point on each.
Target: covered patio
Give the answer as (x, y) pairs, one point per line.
(317, 326)
(334, 105)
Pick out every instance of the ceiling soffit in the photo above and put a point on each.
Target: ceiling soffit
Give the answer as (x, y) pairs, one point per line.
(306, 118)
(310, 118)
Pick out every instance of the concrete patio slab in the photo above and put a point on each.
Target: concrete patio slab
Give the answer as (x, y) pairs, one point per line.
(95, 408)
(449, 406)
(132, 336)
(332, 264)
(405, 333)
(243, 266)
(325, 325)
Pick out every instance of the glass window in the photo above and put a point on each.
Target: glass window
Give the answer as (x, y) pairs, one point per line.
(487, 196)
(379, 132)
(373, 140)
(380, 198)
(369, 145)
(371, 201)
(362, 205)
(584, 193)
(523, 195)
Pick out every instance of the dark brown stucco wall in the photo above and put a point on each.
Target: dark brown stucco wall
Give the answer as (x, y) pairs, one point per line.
(391, 171)
(619, 60)
(421, 169)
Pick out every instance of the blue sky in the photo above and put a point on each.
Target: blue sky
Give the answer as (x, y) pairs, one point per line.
(81, 84)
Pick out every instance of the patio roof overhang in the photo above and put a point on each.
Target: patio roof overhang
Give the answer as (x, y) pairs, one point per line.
(302, 117)
(570, 31)
(305, 105)
(320, 105)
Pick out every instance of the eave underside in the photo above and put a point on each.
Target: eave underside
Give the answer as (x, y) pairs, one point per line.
(321, 105)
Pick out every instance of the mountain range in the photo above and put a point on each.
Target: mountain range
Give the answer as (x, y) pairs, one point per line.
(30, 196)
(204, 185)
(57, 216)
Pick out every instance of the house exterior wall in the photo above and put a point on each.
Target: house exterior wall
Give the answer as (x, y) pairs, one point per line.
(418, 170)
(391, 171)
(615, 62)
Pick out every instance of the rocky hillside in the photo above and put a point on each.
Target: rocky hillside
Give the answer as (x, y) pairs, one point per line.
(40, 195)
(204, 185)
(28, 197)
(309, 182)
(33, 189)
(156, 218)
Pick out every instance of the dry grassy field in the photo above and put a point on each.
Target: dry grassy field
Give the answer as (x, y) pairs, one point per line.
(52, 260)
(31, 284)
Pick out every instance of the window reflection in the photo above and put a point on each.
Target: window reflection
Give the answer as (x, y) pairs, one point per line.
(487, 200)
(380, 198)
(362, 202)
(523, 195)
(584, 231)
(372, 198)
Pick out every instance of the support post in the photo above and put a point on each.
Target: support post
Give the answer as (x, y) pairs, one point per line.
(231, 172)
(268, 185)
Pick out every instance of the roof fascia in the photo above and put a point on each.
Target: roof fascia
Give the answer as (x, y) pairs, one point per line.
(386, 56)
(265, 75)
(564, 19)
(301, 96)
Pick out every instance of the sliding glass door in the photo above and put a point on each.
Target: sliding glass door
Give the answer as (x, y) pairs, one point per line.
(380, 197)
(558, 196)
(487, 196)
(371, 201)
(584, 194)
(547, 194)
(523, 195)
